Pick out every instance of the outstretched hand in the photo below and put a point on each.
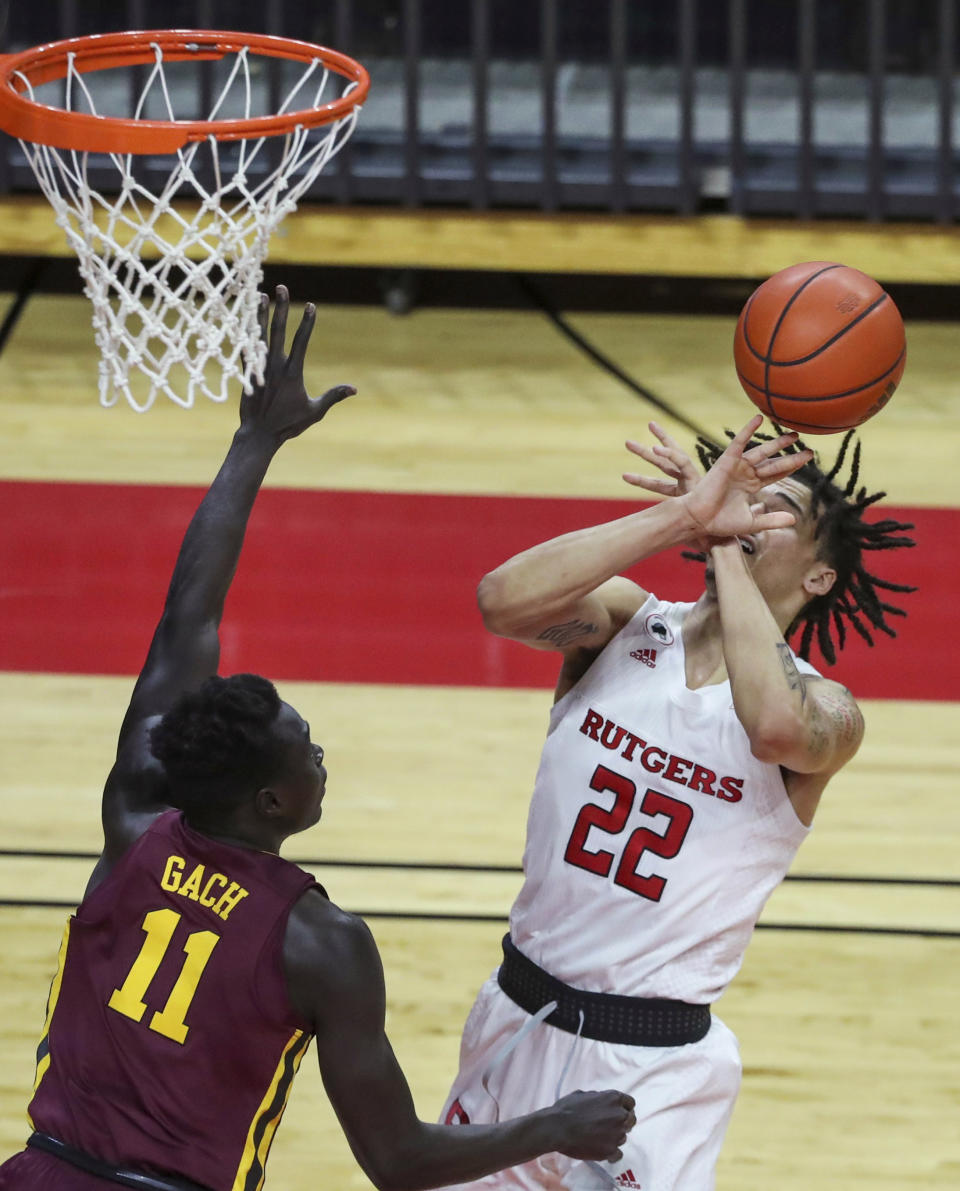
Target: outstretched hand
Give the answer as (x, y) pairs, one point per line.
(670, 458)
(280, 405)
(719, 504)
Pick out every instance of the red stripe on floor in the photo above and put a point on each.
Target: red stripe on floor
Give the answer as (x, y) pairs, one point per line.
(368, 587)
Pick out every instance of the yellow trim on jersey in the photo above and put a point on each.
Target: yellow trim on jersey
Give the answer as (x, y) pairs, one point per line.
(250, 1174)
(44, 1062)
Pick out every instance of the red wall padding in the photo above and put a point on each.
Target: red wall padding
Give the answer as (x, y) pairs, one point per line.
(371, 586)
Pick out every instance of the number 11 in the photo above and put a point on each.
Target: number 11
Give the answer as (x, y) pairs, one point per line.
(160, 926)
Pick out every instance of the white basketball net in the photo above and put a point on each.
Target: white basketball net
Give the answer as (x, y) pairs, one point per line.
(174, 290)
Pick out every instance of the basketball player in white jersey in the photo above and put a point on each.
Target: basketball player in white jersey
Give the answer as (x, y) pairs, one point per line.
(687, 750)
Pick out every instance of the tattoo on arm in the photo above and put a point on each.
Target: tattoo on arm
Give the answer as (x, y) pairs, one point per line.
(819, 739)
(836, 721)
(843, 715)
(795, 679)
(565, 634)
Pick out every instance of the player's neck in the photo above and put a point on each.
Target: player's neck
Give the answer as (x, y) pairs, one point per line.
(703, 644)
(703, 639)
(238, 835)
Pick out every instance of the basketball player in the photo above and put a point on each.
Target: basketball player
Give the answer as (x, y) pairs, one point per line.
(687, 750)
(199, 964)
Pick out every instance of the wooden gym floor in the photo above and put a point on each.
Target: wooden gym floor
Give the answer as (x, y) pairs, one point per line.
(846, 1006)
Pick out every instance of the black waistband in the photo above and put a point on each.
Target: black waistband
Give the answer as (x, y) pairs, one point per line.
(635, 1021)
(103, 1170)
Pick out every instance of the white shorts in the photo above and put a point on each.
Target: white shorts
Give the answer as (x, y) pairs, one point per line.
(684, 1094)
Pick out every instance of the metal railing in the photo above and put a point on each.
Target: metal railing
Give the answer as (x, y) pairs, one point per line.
(615, 105)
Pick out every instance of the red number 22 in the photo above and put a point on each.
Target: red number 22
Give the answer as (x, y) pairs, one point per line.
(642, 840)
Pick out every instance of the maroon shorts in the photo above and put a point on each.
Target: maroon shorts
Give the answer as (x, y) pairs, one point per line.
(33, 1170)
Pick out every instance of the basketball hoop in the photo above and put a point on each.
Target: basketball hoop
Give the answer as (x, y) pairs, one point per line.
(174, 288)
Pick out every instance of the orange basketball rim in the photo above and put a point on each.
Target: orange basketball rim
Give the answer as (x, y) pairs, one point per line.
(38, 123)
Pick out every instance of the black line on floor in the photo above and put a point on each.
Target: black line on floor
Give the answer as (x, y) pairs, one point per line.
(913, 932)
(838, 879)
(48, 854)
(812, 927)
(425, 866)
(427, 916)
(457, 867)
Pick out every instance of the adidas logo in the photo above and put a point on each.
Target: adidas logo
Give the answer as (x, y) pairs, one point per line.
(649, 658)
(627, 1180)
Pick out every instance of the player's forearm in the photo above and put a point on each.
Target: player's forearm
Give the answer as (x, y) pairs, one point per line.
(557, 573)
(211, 546)
(438, 1155)
(769, 692)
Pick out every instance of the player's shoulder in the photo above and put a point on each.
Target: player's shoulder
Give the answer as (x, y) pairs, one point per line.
(622, 599)
(135, 760)
(319, 930)
(135, 793)
(330, 959)
(315, 910)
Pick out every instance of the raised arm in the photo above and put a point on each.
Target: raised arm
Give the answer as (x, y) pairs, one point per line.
(567, 593)
(810, 726)
(336, 981)
(806, 724)
(186, 647)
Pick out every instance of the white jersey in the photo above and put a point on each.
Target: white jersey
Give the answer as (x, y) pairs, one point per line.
(654, 836)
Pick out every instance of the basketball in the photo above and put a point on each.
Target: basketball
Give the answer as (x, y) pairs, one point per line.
(820, 347)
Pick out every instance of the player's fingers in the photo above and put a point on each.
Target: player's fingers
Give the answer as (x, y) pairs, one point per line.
(649, 455)
(256, 378)
(278, 328)
(681, 461)
(771, 520)
(743, 436)
(263, 315)
(783, 465)
(299, 349)
(331, 398)
(651, 483)
(641, 449)
(666, 439)
(765, 449)
(616, 1155)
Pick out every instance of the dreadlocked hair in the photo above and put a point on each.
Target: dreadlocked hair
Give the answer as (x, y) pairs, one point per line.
(215, 743)
(855, 599)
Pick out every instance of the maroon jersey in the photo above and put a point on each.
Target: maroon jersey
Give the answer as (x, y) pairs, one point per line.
(170, 1043)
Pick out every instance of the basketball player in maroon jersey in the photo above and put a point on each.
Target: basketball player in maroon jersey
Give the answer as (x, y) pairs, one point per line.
(199, 964)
